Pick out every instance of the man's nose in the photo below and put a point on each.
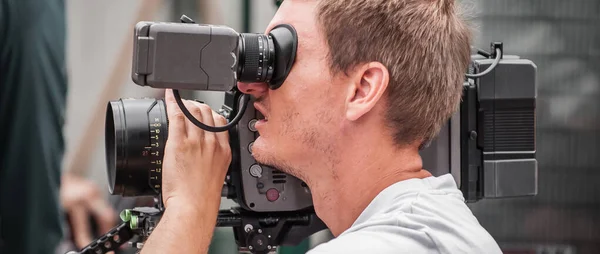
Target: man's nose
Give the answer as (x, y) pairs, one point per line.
(254, 89)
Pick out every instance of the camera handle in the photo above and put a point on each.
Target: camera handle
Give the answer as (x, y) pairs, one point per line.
(256, 233)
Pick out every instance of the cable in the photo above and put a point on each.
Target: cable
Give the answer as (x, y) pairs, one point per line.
(488, 70)
(236, 119)
(481, 52)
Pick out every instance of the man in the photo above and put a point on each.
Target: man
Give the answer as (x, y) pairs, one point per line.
(373, 80)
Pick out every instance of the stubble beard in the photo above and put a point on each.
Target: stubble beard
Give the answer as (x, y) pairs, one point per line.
(311, 137)
(270, 158)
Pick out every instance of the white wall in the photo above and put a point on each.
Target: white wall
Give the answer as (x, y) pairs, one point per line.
(262, 12)
(97, 31)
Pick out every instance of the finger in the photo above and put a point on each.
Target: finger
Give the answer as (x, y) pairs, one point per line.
(223, 136)
(177, 126)
(104, 215)
(208, 119)
(80, 225)
(194, 132)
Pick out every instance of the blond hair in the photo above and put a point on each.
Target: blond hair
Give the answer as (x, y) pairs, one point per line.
(424, 44)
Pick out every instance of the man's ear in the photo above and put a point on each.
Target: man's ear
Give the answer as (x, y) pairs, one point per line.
(367, 85)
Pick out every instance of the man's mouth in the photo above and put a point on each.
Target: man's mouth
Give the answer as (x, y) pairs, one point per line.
(262, 118)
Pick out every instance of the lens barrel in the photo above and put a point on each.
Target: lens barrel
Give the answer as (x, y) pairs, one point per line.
(257, 58)
(135, 136)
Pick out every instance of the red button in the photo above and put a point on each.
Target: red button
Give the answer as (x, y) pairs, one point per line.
(272, 194)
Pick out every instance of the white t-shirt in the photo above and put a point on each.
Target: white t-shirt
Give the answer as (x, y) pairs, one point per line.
(414, 216)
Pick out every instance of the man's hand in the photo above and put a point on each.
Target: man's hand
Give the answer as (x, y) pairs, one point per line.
(194, 169)
(196, 161)
(81, 199)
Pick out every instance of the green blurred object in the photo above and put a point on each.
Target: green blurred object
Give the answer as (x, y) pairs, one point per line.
(133, 223)
(33, 92)
(223, 242)
(299, 249)
(125, 215)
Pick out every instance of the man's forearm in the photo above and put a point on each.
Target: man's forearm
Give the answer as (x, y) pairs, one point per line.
(183, 228)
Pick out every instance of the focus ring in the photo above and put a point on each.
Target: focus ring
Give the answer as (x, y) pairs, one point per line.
(136, 133)
(251, 58)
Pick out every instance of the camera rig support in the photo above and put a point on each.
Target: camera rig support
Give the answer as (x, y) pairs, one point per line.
(254, 233)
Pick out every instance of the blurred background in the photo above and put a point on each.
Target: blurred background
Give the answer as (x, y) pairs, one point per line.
(561, 37)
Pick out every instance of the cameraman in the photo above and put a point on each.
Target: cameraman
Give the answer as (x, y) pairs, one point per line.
(373, 80)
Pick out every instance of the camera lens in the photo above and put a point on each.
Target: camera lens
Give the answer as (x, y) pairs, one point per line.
(267, 58)
(257, 55)
(136, 133)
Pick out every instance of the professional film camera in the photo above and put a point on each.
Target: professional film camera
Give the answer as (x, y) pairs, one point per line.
(488, 146)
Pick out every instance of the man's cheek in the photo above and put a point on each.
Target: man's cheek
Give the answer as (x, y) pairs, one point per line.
(290, 123)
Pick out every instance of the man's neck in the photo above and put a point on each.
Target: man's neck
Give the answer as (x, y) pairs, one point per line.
(356, 181)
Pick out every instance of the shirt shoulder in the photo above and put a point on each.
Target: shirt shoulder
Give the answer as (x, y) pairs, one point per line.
(417, 216)
(371, 241)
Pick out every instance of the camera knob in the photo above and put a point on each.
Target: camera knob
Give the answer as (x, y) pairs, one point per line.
(252, 125)
(256, 171)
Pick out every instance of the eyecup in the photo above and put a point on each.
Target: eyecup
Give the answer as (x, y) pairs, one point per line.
(285, 39)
